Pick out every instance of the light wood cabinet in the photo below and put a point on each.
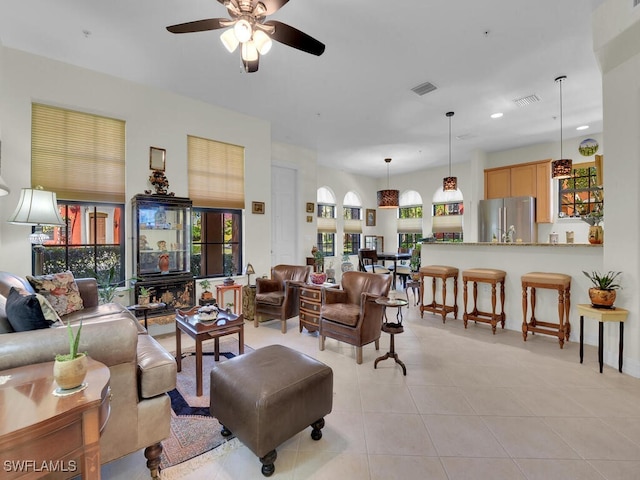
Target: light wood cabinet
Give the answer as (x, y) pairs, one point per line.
(525, 179)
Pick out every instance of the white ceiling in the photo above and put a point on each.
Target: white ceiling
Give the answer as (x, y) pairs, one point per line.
(353, 104)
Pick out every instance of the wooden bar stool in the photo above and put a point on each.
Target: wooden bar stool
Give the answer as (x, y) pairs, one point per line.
(484, 275)
(442, 272)
(554, 281)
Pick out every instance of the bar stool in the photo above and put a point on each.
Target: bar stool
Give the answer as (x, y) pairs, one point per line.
(484, 275)
(443, 272)
(553, 281)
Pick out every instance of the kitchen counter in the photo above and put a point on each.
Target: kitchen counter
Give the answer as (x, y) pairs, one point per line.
(515, 244)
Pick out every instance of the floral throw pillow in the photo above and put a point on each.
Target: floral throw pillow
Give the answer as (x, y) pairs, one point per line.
(60, 289)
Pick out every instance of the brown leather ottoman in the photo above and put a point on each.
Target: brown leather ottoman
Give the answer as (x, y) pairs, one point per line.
(267, 396)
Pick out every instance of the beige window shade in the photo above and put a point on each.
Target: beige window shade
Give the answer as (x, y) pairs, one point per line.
(79, 156)
(352, 226)
(410, 225)
(447, 224)
(216, 173)
(326, 225)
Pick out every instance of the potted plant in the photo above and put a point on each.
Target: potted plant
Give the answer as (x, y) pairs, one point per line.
(206, 293)
(594, 219)
(108, 288)
(318, 257)
(69, 369)
(318, 277)
(144, 295)
(346, 265)
(603, 293)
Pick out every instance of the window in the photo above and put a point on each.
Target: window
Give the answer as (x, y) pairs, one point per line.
(580, 193)
(216, 187)
(409, 219)
(81, 157)
(216, 242)
(326, 221)
(352, 216)
(92, 241)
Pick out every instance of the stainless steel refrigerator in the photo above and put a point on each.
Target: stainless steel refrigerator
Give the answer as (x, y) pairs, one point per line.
(497, 215)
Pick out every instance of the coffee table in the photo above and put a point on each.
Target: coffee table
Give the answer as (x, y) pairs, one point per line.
(62, 432)
(187, 321)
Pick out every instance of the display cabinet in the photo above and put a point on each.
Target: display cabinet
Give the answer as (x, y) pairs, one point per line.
(162, 250)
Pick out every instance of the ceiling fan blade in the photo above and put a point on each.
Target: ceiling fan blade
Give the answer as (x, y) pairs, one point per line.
(199, 25)
(251, 66)
(295, 38)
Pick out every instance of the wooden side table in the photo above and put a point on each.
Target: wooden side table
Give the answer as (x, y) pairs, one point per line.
(57, 430)
(145, 309)
(392, 329)
(603, 315)
(237, 296)
(310, 303)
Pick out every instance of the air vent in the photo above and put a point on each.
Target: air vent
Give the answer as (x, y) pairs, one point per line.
(424, 88)
(528, 100)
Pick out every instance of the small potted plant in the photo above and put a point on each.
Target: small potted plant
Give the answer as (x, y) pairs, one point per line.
(346, 265)
(69, 369)
(594, 219)
(144, 295)
(318, 277)
(603, 293)
(206, 293)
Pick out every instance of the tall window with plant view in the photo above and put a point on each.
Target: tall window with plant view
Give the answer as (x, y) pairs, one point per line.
(409, 220)
(579, 194)
(216, 242)
(352, 220)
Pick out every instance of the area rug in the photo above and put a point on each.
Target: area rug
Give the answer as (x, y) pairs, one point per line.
(193, 430)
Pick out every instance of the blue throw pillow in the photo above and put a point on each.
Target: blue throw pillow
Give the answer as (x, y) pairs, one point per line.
(24, 311)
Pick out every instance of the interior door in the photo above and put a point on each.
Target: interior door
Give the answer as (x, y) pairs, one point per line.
(284, 244)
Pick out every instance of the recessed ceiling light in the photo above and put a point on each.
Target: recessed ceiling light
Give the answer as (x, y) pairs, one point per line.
(497, 115)
(582, 127)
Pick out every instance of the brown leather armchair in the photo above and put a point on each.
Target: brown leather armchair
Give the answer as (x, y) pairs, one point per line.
(279, 296)
(351, 314)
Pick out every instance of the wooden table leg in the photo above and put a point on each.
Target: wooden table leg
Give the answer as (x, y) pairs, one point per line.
(600, 346)
(199, 367)
(620, 347)
(581, 337)
(178, 348)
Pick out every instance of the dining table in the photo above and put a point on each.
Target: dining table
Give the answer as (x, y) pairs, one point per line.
(394, 257)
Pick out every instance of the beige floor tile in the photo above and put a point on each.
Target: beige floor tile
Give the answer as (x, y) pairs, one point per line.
(342, 432)
(551, 469)
(331, 465)
(462, 436)
(458, 468)
(612, 470)
(378, 397)
(405, 467)
(434, 399)
(397, 434)
(549, 402)
(495, 401)
(629, 427)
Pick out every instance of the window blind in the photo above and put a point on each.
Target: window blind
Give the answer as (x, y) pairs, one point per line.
(80, 156)
(352, 226)
(326, 225)
(410, 225)
(216, 173)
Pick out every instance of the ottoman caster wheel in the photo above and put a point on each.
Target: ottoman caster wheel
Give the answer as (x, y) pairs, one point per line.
(316, 433)
(268, 466)
(225, 432)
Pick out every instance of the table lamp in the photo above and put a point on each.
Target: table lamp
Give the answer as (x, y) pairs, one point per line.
(249, 271)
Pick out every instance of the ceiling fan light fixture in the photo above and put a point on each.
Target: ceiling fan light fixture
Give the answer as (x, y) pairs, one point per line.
(262, 41)
(229, 40)
(243, 30)
(260, 10)
(249, 52)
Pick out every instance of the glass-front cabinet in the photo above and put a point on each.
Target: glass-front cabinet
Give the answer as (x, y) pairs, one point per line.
(162, 249)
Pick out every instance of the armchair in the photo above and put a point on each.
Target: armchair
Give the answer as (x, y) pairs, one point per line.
(279, 296)
(351, 314)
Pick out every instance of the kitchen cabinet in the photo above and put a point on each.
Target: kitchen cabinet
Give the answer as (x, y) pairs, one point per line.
(526, 179)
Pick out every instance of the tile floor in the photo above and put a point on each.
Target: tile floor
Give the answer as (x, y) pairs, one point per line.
(472, 406)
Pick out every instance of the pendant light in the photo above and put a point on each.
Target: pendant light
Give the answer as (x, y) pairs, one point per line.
(388, 198)
(449, 183)
(561, 168)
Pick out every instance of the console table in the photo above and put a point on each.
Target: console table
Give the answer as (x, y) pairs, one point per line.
(61, 432)
(602, 315)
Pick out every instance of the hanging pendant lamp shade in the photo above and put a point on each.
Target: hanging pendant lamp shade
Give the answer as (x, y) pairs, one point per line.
(450, 183)
(388, 198)
(563, 167)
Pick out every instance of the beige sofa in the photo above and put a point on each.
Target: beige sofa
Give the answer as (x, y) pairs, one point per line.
(142, 371)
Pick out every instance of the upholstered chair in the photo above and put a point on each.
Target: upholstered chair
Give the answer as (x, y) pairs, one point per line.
(351, 314)
(279, 296)
(368, 261)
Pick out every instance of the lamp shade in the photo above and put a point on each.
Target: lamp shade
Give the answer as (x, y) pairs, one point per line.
(249, 269)
(37, 207)
(388, 198)
(449, 184)
(561, 168)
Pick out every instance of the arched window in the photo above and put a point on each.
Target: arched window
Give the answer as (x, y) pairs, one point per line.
(352, 214)
(326, 221)
(409, 219)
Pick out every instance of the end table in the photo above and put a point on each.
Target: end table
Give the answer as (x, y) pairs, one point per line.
(602, 315)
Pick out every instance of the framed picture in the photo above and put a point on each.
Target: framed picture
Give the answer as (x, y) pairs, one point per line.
(157, 158)
(310, 206)
(257, 207)
(371, 217)
(309, 218)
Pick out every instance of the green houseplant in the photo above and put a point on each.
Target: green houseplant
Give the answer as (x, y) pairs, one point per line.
(69, 369)
(206, 293)
(144, 295)
(603, 292)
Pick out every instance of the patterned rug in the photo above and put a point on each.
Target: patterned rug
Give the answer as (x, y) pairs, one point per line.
(193, 430)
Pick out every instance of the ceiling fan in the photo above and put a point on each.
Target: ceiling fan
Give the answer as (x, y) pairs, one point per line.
(251, 31)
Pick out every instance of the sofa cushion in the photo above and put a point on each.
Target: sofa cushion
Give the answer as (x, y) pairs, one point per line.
(271, 298)
(25, 311)
(345, 313)
(60, 290)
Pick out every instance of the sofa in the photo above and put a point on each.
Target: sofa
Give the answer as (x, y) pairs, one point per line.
(142, 371)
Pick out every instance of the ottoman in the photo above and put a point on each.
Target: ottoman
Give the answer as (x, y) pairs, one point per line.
(267, 396)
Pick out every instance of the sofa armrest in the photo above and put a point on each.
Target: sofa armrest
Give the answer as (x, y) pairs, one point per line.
(88, 291)
(111, 342)
(157, 368)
